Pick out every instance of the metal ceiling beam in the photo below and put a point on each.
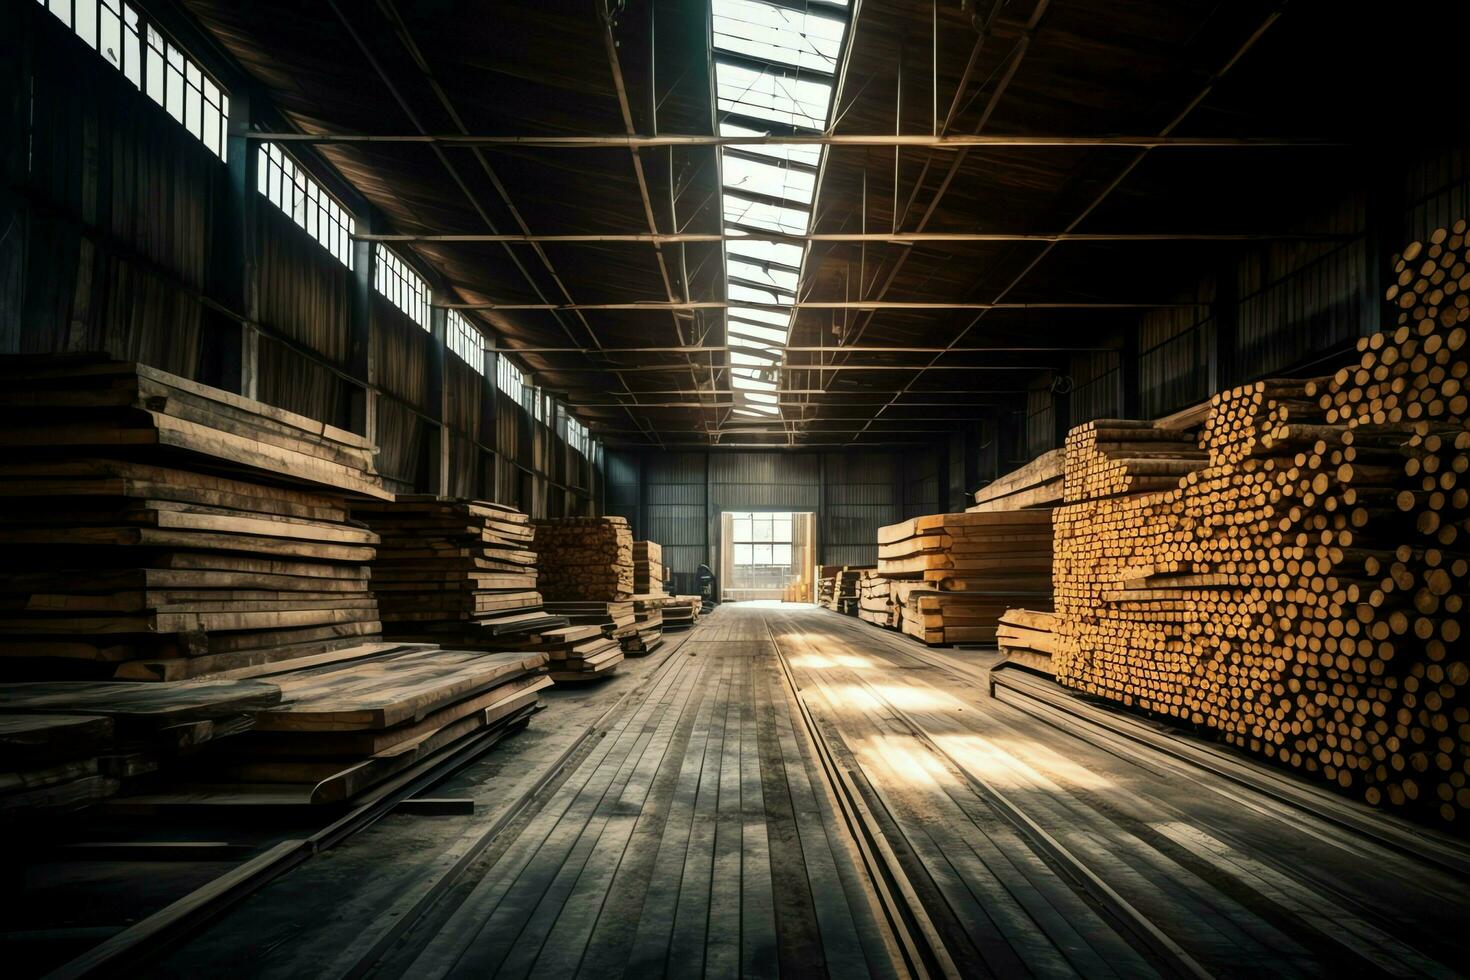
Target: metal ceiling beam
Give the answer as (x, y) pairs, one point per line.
(1106, 191)
(656, 368)
(875, 237)
(956, 141)
(659, 306)
(716, 348)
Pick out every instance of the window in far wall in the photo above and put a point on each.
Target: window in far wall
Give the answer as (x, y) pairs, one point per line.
(761, 539)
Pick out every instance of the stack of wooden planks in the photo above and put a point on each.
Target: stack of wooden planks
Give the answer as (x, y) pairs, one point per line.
(585, 558)
(158, 529)
(681, 612)
(648, 625)
(345, 727)
(844, 594)
(875, 600)
(827, 584)
(1028, 638)
(1303, 594)
(953, 575)
(579, 653)
(1037, 484)
(65, 744)
(648, 568)
(454, 571)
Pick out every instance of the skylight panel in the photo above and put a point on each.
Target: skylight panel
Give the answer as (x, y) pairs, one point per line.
(748, 333)
(775, 62)
(761, 216)
(771, 317)
(801, 154)
(760, 272)
(769, 179)
(289, 188)
(771, 96)
(778, 34)
(777, 253)
(464, 340)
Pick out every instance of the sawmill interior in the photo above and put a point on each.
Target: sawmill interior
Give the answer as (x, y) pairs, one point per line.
(852, 488)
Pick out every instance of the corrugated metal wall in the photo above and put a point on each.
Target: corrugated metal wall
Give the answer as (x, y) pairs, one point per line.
(863, 491)
(682, 494)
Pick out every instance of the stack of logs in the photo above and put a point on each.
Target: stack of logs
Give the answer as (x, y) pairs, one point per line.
(827, 584)
(953, 575)
(681, 612)
(1119, 456)
(1300, 590)
(454, 571)
(159, 529)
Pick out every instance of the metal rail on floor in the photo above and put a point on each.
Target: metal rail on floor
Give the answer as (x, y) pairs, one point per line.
(1133, 920)
(919, 941)
(172, 923)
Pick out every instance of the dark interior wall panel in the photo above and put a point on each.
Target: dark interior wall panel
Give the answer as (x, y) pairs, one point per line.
(464, 393)
(675, 514)
(400, 444)
(302, 290)
(1097, 387)
(1175, 353)
(861, 495)
(764, 480)
(400, 353)
(114, 235)
(290, 381)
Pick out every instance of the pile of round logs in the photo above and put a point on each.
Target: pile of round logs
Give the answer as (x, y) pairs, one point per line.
(1300, 592)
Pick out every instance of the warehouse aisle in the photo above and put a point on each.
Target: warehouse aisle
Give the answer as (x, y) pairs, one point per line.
(1035, 851)
(704, 832)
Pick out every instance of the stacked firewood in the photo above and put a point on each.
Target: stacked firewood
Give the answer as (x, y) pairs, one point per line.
(648, 568)
(1301, 594)
(875, 600)
(585, 558)
(827, 584)
(454, 571)
(158, 529)
(953, 575)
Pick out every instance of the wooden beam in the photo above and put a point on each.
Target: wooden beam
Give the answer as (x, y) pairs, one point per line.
(954, 141)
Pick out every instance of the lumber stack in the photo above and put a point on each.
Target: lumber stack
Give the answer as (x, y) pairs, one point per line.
(585, 559)
(343, 728)
(66, 744)
(454, 571)
(1113, 457)
(1029, 638)
(648, 568)
(579, 653)
(1037, 484)
(875, 600)
(843, 597)
(827, 584)
(953, 575)
(648, 625)
(680, 612)
(1303, 594)
(158, 529)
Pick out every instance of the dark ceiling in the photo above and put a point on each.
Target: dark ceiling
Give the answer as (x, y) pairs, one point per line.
(1376, 78)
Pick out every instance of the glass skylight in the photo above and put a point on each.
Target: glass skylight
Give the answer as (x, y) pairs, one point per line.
(774, 64)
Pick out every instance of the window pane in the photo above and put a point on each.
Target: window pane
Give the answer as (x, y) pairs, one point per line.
(742, 529)
(781, 554)
(781, 530)
(762, 554)
(763, 529)
(742, 554)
